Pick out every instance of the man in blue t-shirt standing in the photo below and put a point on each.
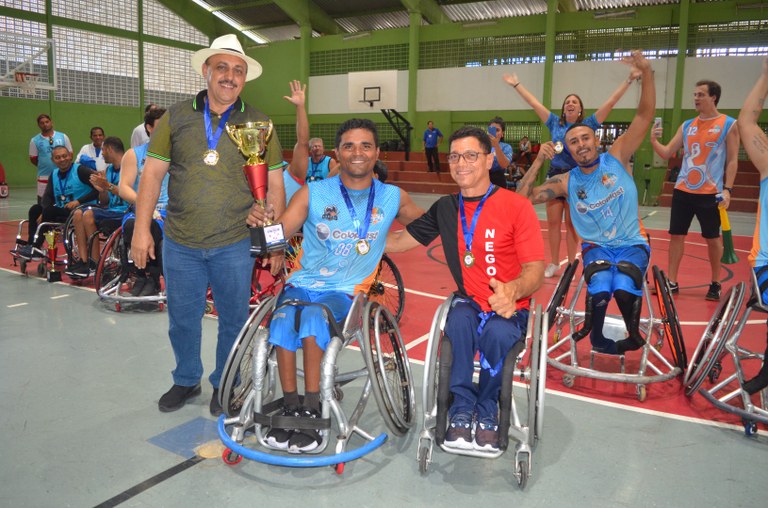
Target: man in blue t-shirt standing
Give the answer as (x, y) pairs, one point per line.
(41, 151)
(432, 138)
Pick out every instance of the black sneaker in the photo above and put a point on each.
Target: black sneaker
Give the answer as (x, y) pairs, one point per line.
(459, 433)
(138, 285)
(31, 253)
(214, 406)
(674, 287)
(78, 270)
(149, 288)
(176, 397)
(714, 292)
(278, 437)
(305, 440)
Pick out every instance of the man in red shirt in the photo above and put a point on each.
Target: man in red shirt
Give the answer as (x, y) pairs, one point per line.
(494, 248)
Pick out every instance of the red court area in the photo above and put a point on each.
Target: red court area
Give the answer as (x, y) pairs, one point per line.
(428, 282)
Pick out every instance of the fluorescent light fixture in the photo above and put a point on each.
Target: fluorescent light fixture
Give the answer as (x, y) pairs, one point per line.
(356, 35)
(255, 37)
(614, 15)
(479, 24)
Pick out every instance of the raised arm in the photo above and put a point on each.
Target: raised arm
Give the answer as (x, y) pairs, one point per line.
(754, 139)
(603, 111)
(540, 194)
(300, 160)
(626, 144)
(541, 111)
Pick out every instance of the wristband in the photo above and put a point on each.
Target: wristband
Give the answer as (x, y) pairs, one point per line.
(515, 85)
(729, 189)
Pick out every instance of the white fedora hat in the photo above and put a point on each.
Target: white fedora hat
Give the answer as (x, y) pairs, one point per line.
(226, 45)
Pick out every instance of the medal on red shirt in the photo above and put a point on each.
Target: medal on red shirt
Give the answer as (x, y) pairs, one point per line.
(211, 156)
(361, 246)
(469, 259)
(469, 233)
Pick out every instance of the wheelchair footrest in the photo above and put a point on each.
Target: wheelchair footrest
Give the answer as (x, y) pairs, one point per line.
(269, 418)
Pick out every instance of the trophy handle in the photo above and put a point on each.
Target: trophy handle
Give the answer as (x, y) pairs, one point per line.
(269, 133)
(234, 134)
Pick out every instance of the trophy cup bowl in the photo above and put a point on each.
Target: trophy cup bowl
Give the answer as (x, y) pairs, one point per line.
(251, 139)
(51, 238)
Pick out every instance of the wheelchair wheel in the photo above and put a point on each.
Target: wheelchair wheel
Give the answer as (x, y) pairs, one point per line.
(561, 291)
(709, 350)
(237, 377)
(387, 287)
(109, 268)
(387, 362)
(670, 319)
(535, 378)
(293, 251)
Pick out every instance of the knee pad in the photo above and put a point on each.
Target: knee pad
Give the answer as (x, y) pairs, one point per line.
(631, 271)
(631, 307)
(589, 311)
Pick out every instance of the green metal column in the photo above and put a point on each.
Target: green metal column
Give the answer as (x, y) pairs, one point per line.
(142, 87)
(549, 58)
(306, 41)
(682, 49)
(413, 68)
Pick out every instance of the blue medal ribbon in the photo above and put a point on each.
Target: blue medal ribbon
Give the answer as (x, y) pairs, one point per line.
(469, 235)
(63, 186)
(210, 136)
(362, 229)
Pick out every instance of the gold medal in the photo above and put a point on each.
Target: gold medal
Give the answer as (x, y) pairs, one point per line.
(362, 247)
(211, 157)
(558, 147)
(469, 259)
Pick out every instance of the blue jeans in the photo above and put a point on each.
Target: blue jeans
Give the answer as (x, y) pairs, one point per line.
(494, 341)
(188, 272)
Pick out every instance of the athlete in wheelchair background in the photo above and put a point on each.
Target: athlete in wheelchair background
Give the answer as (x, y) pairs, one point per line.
(68, 188)
(604, 209)
(344, 219)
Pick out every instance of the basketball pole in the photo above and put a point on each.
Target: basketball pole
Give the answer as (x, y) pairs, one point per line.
(729, 253)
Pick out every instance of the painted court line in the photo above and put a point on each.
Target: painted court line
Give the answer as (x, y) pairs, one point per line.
(59, 296)
(12, 306)
(416, 342)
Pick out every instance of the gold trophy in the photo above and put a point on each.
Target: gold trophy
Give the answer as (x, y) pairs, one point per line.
(51, 238)
(251, 139)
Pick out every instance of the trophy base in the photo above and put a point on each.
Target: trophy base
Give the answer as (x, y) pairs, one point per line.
(53, 276)
(266, 240)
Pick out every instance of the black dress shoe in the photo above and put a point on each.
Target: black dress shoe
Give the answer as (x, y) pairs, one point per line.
(176, 397)
(215, 407)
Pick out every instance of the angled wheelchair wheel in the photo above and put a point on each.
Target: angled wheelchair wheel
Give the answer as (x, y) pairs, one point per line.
(387, 287)
(536, 379)
(109, 268)
(709, 350)
(561, 291)
(387, 362)
(237, 376)
(670, 318)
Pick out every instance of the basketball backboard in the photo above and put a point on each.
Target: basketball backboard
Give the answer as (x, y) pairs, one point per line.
(372, 90)
(25, 61)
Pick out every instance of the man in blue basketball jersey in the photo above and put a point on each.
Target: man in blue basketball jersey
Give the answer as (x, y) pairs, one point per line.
(345, 221)
(603, 199)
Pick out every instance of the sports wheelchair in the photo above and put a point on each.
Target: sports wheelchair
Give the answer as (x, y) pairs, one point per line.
(652, 367)
(525, 361)
(115, 277)
(53, 263)
(720, 342)
(247, 388)
(103, 231)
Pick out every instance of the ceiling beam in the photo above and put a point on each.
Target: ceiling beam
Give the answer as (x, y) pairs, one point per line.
(428, 9)
(244, 5)
(306, 12)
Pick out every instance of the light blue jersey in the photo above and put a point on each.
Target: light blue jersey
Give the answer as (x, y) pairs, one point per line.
(141, 158)
(329, 260)
(42, 148)
(604, 206)
(758, 256)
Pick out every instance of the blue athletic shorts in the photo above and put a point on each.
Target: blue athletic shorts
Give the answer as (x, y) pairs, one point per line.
(313, 321)
(761, 272)
(608, 281)
(102, 214)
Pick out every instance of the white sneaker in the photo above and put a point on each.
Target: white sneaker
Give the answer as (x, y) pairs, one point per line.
(550, 270)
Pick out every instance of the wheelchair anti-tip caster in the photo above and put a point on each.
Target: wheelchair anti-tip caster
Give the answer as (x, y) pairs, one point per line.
(568, 380)
(231, 458)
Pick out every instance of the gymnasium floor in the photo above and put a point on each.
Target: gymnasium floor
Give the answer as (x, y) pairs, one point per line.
(81, 425)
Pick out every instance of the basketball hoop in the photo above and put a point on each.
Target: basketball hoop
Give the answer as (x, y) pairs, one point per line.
(26, 82)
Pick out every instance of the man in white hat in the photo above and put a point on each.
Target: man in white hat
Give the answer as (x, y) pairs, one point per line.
(206, 238)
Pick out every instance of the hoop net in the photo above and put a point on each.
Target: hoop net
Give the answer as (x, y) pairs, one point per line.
(26, 82)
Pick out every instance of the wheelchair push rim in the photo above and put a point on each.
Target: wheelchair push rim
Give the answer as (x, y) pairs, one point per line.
(671, 321)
